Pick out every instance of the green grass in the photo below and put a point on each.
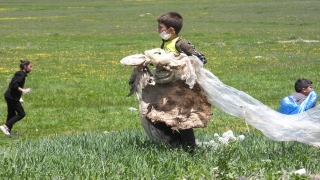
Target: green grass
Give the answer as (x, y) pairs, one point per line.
(130, 155)
(80, 86)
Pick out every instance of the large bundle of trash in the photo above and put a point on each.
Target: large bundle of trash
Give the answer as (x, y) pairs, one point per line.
(303, 127)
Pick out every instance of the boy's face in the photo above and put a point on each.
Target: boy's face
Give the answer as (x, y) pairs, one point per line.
(162, 27)
(307, 90)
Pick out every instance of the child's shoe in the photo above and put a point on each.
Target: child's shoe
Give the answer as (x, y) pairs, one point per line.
(5, 130)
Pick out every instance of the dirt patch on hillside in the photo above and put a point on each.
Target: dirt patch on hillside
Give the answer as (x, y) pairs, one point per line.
(300, 40)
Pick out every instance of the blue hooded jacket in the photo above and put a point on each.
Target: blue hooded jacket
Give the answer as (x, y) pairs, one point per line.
(289, 105)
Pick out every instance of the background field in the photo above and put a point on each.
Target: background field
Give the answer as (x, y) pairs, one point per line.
(79, 86)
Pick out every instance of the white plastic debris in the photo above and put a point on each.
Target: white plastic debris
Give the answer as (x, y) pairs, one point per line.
(132, 109)
(210, 143)
(226, 137)
(300, 171)
(241, 137)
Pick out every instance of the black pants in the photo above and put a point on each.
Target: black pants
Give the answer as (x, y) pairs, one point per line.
(184, 137)
(15, 112)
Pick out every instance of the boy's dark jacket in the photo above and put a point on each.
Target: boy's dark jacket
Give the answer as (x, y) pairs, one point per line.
(17, 81)
(184, 46)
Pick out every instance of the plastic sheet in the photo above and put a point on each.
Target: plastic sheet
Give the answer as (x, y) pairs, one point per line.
(303, 127)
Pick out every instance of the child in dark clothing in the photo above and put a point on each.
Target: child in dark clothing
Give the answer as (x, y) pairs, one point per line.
(13, 95)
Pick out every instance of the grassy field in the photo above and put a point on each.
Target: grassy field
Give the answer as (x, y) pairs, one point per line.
(78, 125)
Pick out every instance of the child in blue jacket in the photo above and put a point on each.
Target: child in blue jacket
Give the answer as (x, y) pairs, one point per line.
(303, 99)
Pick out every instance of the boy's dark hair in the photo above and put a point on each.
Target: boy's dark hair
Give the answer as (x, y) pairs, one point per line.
(171, 19)
(24, 63)
(302, 83)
